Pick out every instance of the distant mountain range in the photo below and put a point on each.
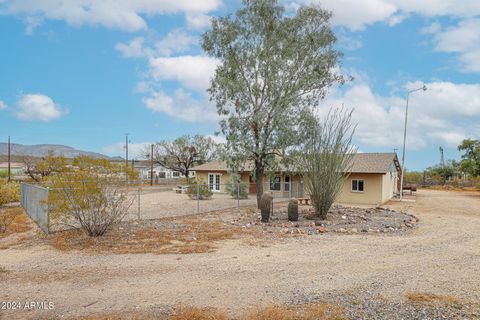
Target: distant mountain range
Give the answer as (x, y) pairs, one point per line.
(41, 150)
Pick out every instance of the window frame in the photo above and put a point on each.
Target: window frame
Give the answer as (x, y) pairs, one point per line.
(357, 185)
(273, 183)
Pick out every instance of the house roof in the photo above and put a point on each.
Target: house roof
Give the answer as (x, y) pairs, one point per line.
(362, 163)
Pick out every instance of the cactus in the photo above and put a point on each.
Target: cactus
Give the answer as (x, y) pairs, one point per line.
(293, 210)
(266, 206)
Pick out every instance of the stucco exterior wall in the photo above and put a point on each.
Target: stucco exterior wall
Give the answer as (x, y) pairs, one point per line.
(372, 194)
(389, 185)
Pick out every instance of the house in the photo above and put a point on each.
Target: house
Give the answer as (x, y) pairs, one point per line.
(159, 172)
(15, 167)
(374, 179)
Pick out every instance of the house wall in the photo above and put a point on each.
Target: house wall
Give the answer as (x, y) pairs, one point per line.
(373, 190)
(389, 186)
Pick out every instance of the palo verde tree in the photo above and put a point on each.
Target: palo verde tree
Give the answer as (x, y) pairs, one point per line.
(326, 157)
(272, 67)
(184, 152)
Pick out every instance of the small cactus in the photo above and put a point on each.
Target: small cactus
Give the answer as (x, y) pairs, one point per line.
(266, 206)
(293, 210)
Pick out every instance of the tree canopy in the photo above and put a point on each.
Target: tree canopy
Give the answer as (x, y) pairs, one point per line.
(272, 68)
(470, 162)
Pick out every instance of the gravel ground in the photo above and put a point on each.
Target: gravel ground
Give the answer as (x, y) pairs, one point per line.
(441, 256)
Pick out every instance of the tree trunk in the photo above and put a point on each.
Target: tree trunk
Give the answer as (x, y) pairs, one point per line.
(259, 181)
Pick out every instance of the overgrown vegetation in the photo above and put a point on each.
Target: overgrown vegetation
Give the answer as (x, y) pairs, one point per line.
(9, 192)
(325, 158)
(92, 196)
(13, 220)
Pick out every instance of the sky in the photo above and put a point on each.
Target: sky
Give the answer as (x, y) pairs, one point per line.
(84, 72)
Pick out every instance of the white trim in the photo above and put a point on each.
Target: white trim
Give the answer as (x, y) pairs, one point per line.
(216, 185)
(357, 191)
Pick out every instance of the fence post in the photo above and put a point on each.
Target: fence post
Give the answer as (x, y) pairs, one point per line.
(238, 195)
(198, 198)
(138, 202)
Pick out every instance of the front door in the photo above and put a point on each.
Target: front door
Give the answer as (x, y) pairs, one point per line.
(214, 182)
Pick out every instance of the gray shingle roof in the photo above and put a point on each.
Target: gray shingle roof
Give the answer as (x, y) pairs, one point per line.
(362, 163)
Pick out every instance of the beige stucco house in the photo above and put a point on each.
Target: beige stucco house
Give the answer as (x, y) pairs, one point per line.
(374, 179)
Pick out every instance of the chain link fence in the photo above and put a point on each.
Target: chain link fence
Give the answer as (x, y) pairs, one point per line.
(33, 199)
(161, 201)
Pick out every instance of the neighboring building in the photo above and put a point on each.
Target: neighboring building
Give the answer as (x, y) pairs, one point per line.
(374, 179)
(15, 167)
(159, 172)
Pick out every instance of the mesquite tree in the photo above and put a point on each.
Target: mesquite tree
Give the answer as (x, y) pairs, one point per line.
(184, 152)
(272, 67)
(326, 157)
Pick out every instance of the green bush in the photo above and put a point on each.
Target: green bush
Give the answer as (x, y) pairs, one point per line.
(236, 187)
(201, 187)
(3, 173)
(9, 192)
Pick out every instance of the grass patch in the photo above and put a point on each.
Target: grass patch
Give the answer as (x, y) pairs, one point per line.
(184, 235)
(194, 313)
(430, 299)
(313, 311)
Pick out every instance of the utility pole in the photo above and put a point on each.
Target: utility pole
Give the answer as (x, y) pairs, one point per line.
(151, 166)
(126, 151)
(9, 160)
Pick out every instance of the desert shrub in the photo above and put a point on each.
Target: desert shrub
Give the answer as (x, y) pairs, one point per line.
(236, 187)
(201, 188)
(9, 192)
(6, 219)
(3, 173)
(91, 197)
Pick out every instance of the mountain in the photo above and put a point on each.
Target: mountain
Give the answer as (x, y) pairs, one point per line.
(41, 150)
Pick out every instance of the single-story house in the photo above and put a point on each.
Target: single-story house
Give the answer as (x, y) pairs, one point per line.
(374, 179)
(159, 172)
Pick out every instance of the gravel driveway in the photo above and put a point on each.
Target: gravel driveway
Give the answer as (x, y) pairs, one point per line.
(441, 256)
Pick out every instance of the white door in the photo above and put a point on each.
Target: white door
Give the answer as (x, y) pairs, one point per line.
(214, 182)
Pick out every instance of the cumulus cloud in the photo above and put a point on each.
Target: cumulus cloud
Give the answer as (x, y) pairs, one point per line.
(3, 105)
(181, 105)
(464, 40)
(119, 14)
(444, 114)
(192, 72)
(356, 15)
(37, 107)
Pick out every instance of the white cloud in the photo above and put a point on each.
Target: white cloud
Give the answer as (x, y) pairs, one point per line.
(119, 14)
(198, 20)
(356, 15)
(193, 72)
(3, 105)
(37, 107)
(181, 105)
(443, 115)
(174, 42)
(133, 49)
(135, 150)
(463, 39)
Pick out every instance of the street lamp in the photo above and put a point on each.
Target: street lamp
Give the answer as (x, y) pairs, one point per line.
(424, 88)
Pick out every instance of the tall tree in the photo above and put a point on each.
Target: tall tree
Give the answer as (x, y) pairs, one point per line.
(470, 162)
(184, 152)
(272, 67)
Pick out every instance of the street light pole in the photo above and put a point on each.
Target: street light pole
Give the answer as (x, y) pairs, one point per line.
(424, 88)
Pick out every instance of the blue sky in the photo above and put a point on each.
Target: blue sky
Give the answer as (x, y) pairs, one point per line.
(84, 72)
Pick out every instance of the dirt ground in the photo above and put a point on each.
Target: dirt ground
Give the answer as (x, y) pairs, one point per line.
(441, 256)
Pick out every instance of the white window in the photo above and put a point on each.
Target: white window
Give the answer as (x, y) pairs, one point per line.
(275, 183)
(176, 174)
(214, 182)
(358, 185)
